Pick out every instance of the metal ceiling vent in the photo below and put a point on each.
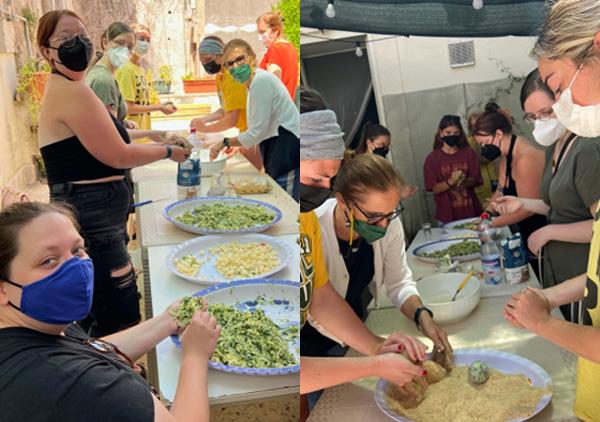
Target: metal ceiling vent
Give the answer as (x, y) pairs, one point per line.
(462, 53)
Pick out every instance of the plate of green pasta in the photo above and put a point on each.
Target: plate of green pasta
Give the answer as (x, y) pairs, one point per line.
(260, 325)
(459, 249)
(213, 215)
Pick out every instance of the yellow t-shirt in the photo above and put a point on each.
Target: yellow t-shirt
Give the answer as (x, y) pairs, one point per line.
(587, 405)
(136, 88)
(232, 95)
(313, 272)
(488, 173)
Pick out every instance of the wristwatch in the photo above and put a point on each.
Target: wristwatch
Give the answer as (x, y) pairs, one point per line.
(169, 151)
(418, 315)
(226, 142)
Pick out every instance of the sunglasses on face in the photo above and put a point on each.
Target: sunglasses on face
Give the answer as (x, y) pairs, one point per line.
(235, 62)
(374, 218)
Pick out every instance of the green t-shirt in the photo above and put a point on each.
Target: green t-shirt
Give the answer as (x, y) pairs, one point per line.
(104, 85)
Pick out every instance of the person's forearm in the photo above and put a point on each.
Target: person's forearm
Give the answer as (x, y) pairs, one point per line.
(568, 291)
(137, 133)
(191, 396)
(227, 121)
(137, 340)
(470, 182)
(580, 232)
(512, 218)
(409, 307)
(441, 187)
(338, 318)
(536, 206)
(578, 339)
(235, 142)
(215, 115)
(319, 373)
(133, 108)
(136, 155)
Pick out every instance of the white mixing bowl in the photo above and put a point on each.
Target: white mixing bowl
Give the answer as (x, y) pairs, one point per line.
(436, 292)
(210, 168)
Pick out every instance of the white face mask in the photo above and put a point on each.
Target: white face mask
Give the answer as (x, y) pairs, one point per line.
(547, 132)
(142, 47)
(118, 56)
(581, 120)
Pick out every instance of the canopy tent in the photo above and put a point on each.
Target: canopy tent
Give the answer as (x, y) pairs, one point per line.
(447, 18)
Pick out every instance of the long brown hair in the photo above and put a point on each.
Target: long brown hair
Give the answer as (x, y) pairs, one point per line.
(47, 25)
(371, 131)
(447, 121)
(17, 216)
(492, 119)
(362, 173)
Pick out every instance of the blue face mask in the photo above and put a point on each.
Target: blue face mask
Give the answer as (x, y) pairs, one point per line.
(62, 297)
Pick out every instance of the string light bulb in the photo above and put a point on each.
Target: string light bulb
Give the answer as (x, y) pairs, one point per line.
(358, 51)
(330, 10)
(477, 4)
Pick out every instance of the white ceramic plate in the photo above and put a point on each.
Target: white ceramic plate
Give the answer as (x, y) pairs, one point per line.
(172, 211)
(443, 244)
(501, 361)
(452, 225)
(460, 234)
(281, 303)
(208, 274)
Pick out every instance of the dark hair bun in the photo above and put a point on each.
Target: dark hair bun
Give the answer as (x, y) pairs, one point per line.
(492, 107)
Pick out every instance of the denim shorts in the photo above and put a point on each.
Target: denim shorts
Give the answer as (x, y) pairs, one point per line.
(102, 210)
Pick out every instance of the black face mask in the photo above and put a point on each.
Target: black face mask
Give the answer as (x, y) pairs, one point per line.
(75, 54)
(451, 140)
(312, 197)
(211, 67)
(381, 151)
(490, 152)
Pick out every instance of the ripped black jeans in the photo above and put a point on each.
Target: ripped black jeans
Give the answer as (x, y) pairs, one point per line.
(102, 210)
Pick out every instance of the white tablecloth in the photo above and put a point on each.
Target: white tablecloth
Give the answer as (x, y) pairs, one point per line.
(222, 387)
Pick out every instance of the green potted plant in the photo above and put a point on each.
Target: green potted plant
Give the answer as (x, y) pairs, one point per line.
(193, 84)
(165, 76)
(31, 82)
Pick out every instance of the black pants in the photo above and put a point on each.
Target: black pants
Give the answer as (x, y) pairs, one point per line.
(102, 210)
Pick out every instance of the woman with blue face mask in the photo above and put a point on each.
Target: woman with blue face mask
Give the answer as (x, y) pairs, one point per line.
(50, 369)
(117, 44)
(567, 51)
(273, 119)
(568, 200)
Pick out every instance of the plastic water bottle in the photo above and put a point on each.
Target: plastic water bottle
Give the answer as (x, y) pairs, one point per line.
(193, 138)
(490, 254)
(188, 174)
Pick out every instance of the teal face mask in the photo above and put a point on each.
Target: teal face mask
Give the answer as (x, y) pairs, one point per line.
(369, 232)
(241, 73)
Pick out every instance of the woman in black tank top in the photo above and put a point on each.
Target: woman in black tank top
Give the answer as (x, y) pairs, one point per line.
(521, 167)
(87, 152)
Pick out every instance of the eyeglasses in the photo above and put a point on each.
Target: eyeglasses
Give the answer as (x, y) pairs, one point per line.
(376, 218)
(235, 62)
(544, 116)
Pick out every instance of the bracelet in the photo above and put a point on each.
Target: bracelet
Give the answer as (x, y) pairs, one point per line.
(169, 151)
(418, 315)
(226, 142)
